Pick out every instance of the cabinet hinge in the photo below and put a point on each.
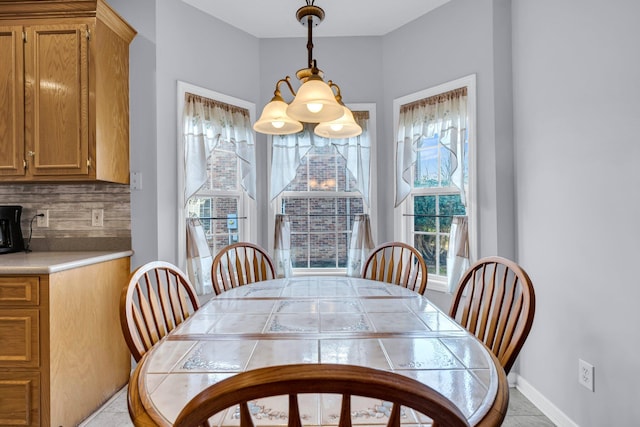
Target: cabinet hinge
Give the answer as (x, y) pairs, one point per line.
(24, 37)
(89, 163)
(88, 34)
(24, 164)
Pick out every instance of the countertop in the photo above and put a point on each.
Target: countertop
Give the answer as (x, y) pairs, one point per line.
(52, 262)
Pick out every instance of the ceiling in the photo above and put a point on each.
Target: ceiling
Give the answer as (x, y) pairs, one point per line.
(277, 18)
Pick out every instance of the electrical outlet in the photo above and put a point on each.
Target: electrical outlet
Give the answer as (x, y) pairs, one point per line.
(42, 221)
(97, 217)
(585, 374)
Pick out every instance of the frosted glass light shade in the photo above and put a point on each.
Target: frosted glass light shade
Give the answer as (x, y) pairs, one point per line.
(344, 127)
(315, 93)
(274, 120)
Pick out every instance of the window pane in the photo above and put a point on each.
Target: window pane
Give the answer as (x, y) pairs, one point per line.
(321, 218)
(424, 205)
(322, 171)
(448, 206)
(213, 212)
(444, 247)
(325, 209)
(323, 249)
(297, 209)
(426, 244)
(346, 181)
(347, 209)
(300, 181)
(299, 248)
(222, 169)
(343, 242)
(219, 242)
(427, 168)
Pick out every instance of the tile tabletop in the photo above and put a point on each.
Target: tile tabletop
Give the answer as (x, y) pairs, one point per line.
(318, 320)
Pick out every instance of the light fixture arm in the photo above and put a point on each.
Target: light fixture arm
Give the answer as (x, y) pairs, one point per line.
(338, 94)
(277, 95)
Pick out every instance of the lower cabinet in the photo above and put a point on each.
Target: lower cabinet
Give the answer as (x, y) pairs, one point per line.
(62, 354)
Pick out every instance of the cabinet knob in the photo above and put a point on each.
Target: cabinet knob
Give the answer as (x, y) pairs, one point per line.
(31, 153)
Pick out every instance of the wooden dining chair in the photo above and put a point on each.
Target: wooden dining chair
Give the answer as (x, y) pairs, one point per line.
(398, 263)
(496, 302)
(157, 299)
(345, 380)
(240, 264)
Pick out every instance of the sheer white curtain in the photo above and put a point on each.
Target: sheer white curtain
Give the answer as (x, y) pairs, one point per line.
(444, 115)
(282, 246)
(458, 252)
(288, 151)
(199, 259)
(360, 245)
(206, 122)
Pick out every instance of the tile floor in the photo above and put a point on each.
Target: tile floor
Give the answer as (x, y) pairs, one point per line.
(522, 413)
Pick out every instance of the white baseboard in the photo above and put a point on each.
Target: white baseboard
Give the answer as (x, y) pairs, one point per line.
(512, 379)
(552, 412)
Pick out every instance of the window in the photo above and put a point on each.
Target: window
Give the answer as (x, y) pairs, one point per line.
(438, 182)
(220, 202)
(216, 168)
(435, 201)
(323, 198)
(321, 202)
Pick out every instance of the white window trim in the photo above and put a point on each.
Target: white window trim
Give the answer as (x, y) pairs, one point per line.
(249, 205)
(373, 200)
(403, 225)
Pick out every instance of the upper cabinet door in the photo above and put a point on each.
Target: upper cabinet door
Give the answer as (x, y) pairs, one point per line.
(57, 99)
(11, 102)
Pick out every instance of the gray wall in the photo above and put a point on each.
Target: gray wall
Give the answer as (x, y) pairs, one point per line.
(430, 51)
(576, 113)
(174, 42)
(556, 154)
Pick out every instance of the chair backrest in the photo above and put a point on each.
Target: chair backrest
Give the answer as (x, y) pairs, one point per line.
(345, 380)
(157, 299)
(240, 264)
(398, 263)
(496, 302)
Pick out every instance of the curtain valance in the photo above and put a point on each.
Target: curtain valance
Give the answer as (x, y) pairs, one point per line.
(444, 115)
(288, 151)
(206, 122)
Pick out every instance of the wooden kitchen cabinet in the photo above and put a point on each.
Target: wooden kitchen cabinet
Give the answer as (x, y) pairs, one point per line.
(62, 354)
(64, 92)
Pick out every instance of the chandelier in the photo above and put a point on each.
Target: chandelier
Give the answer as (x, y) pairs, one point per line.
(314, 102)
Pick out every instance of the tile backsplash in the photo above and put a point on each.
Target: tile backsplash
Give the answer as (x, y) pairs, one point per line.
(70, 207)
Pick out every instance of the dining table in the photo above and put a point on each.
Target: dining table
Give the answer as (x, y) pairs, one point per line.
(318, 319)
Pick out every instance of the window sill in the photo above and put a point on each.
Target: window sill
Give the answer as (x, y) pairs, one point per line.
(438, 286)
(319, 272)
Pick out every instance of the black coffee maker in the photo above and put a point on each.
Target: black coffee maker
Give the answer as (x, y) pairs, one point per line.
(10, 232)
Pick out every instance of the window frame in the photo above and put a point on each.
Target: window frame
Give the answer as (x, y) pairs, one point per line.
(403, 214)
(372, 208)
(247, 206)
